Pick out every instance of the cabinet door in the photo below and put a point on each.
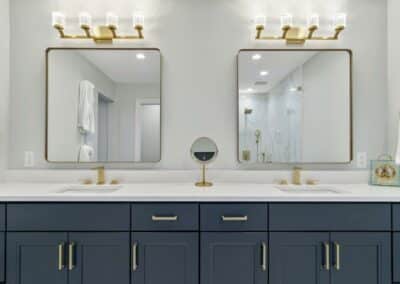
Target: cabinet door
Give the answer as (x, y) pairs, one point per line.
(361, 258)
(160, 258)
(34, 258)
(2, 257)
(299, 258)
(234, 258)
(99, 258)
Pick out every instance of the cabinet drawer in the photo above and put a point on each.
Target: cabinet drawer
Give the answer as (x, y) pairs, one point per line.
(68, 217)
(2, 217)
(330, 217)
(233, 217)
(165, 217)
(396, 217)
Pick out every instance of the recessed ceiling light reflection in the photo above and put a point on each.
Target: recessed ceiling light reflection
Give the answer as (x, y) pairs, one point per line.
(256, 57)
(140, 56)
(264, 73)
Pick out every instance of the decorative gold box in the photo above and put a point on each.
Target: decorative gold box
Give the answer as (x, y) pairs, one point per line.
(384, 172)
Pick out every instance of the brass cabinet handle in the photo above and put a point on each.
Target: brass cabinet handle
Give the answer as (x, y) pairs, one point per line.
(337, 255)
(134, 257)
(327, 265)
(71, 256)
(61, 256)
(234, 219)
(164, 218)
(264, 256)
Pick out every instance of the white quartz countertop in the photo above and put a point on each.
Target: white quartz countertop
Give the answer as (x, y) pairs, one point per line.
(187, 192)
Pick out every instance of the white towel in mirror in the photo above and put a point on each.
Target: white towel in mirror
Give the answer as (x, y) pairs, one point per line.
(86, 116)
(86, 153)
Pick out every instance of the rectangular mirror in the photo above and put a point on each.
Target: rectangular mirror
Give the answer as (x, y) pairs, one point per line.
(103, 105)
(295, 106)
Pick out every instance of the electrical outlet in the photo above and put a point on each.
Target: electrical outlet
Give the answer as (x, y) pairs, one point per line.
(362, 161)
(29, 159)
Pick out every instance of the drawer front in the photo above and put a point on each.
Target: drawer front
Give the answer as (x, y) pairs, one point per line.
(396, 217)
(165, 217)
(234, 217)
(68, 217)
(330, 217)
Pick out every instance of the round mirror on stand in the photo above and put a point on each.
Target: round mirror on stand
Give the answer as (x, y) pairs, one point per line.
(204, 151)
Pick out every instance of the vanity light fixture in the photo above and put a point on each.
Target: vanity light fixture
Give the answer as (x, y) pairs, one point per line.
(299, 35)
(102, 33)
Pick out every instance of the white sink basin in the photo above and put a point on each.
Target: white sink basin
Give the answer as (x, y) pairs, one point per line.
(309, 189)
(90, 188)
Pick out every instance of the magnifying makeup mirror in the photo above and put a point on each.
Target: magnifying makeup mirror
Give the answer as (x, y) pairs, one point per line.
(204, 151)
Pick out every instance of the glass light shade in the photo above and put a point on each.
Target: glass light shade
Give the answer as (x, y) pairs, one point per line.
(260, 20)
(313, 20)
(340, 20)
(138, 19)
(58, 19)
(85, 19)
(286, 20)
(112, 19)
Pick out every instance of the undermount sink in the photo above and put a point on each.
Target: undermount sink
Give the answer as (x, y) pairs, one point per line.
(312, 189)
(90, 188)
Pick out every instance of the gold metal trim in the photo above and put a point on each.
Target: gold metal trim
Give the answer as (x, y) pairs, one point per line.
(101, 34)
(351, 106)
(297, 35)
(203, 182)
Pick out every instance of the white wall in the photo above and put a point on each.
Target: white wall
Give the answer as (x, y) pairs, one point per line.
(69, 69)
(394, 73)
(326, 128)
(4, 81)
(199, 41)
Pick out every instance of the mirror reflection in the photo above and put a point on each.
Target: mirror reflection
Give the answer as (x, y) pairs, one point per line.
(204, 150)
(294, 106)
(103, 105)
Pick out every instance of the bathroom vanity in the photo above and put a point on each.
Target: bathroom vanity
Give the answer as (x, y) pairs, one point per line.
(282, 238)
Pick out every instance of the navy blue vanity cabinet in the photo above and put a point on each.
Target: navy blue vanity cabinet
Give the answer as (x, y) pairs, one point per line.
(76, 243)
(298, 257)
(234, 243)
(335, 254)
(165, 257)
(2, 242)
(361, 258)
(99, 258)
(165, 243)
(34, 258)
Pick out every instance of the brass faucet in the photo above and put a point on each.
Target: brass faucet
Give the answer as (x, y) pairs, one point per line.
(296, 176)
(101, 179)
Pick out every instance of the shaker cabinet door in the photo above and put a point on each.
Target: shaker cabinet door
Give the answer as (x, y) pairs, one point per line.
(299, 258)
(98, 258)
(361, 258)
(161, 258)
(234, 258)
(34, 258)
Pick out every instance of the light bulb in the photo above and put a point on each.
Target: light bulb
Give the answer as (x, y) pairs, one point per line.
(313, 20)
(286, 20)
(112, 20)
(85, 19)
(260, 21)
(58, 19)
(340, 20)
(138, 19)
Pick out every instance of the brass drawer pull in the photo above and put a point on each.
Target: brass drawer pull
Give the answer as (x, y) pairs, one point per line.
(264, 256)
(337, 255)
(234, 219)
(71, 256)
(164, 218)
(327, 265)
(134, 257)
(61, 256)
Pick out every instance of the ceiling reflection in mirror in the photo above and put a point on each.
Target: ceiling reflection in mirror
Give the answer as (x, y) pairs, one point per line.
(294, 106)
(103, 105)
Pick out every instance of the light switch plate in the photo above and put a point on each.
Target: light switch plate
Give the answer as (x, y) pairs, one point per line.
(362, 161)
